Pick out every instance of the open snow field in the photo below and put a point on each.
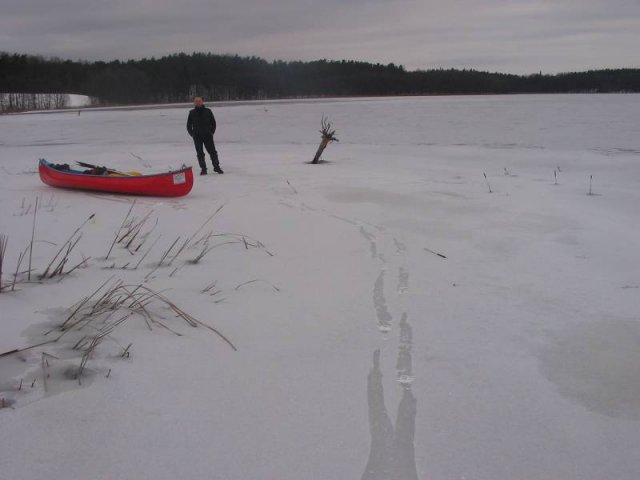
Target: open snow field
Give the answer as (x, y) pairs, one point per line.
(361, 353)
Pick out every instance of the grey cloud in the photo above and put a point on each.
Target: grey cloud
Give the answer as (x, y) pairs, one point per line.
(520, 36)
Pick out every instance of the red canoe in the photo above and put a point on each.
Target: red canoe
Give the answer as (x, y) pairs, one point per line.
(169, 184)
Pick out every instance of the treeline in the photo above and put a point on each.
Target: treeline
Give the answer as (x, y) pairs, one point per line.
(23, 101)
(177, 78)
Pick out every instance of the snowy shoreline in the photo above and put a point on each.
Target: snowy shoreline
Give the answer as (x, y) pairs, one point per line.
(289, 101)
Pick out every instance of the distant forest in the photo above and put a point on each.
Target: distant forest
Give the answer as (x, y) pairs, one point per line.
(177, 78)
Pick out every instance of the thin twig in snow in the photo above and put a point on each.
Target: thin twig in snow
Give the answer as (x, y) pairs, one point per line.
(289, 183)
(435, 253)
(487, 180)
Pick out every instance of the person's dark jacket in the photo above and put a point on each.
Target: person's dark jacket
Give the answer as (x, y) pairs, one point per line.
(201, 122)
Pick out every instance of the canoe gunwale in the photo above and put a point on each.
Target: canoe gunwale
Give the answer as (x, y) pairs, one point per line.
(48, 164)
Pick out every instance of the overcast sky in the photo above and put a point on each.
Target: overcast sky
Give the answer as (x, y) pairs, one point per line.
(519, 36)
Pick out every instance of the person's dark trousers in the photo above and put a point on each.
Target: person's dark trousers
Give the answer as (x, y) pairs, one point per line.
(206, 141)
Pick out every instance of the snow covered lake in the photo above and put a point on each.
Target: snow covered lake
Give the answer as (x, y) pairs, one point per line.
(362, 352)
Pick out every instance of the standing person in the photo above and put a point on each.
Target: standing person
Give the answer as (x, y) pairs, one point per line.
(201, 125)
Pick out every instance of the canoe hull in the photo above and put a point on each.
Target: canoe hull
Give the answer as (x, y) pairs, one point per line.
(170, 184)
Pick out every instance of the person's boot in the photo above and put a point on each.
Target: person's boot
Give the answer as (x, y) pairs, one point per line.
(216, 163)
(203, 171)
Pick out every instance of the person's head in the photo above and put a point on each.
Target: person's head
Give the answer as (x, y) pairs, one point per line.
(197, 101)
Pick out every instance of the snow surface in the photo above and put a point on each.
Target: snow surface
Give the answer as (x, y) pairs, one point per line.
(361, 352)
(75, 100)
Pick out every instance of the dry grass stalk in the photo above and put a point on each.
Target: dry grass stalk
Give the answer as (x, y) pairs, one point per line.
(44, 364)
(58, 270)
(240, 238)
(88, 348)
(209, 287)
(115, 238)
(4, 240)
(166, 253)
(188, 318)
(33, 232)
(126, 352)
(204, 239)
(208, 249)
(15, 274)
(83, 302)
(205, 223)
(162, 259)
(201, 255)
(71, 241)
(184, 245)
(87, 353)
(257, 280)
(144, 238)
(175, 270)
(30, 347)
(133, 231)
(82, 263)
(257, 243)
(147, 253)
(99, 314)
